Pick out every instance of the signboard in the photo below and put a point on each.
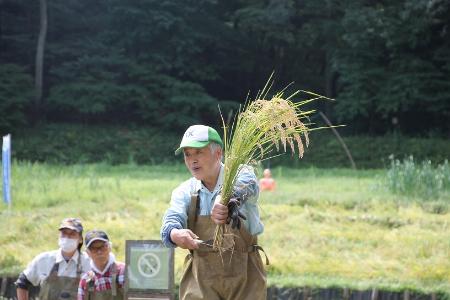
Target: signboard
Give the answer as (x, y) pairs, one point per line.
(150, 270)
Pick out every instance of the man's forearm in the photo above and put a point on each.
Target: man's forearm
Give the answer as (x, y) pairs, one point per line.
(165, 235)
(246, 187)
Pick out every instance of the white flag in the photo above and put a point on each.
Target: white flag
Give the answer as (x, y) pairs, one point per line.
(6, 166)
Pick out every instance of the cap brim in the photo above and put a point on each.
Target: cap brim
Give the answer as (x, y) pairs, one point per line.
(96, 239)
(69, 227)
(191, 144)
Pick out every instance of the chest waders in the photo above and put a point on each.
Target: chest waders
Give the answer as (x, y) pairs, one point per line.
(56, 287)
(114, 293)
(236, 275)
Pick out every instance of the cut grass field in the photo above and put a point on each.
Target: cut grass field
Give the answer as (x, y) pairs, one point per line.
(334, 227)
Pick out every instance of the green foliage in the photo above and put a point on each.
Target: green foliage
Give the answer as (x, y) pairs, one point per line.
(138, 96)
(70, 144)
(9, 264)
(130, 71)
(393, 69)
(423, 180)
(77, 144)
(367, 151)
(15, 93)
(163, 64)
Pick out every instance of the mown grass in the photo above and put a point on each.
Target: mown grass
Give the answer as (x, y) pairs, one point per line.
(334, 227)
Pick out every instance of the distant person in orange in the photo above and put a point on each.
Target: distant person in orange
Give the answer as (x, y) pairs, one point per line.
(267, 183)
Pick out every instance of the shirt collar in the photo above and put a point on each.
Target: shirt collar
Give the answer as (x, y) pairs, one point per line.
(60, 257)
(199, 185)
(111, 260)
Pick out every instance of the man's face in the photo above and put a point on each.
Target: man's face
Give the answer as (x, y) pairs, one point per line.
(202, 162)
(99, 252)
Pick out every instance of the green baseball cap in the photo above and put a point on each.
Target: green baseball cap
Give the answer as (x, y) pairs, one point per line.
(199, 136)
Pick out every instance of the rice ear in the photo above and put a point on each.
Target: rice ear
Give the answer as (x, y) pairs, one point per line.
(259, 126)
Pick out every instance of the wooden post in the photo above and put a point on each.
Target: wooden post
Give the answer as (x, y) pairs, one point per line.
(305, 293)
(4, 283)
(406, 295)
(338, 136)
(346, 294)
(374, 294)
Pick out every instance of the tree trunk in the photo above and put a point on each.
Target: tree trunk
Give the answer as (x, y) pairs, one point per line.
(40, 61)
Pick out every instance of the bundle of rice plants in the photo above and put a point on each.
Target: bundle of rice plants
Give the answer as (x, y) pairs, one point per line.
(260, 127)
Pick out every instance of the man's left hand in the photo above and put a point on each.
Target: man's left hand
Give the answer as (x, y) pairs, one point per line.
(235, 215)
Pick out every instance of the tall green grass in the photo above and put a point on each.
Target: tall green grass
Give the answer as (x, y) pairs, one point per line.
(411, 178)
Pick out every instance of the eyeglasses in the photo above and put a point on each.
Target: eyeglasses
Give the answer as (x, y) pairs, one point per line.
(98, 248)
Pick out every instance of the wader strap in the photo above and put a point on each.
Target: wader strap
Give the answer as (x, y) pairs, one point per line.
(193, 210)
(91, 285)
(55, 269)
(114, 280)
(79, 265)
(252, 240)
(259, 248)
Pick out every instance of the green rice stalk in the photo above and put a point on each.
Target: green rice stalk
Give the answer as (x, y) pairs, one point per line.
(259, 127)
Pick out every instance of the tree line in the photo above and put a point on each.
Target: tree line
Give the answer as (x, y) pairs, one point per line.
(170, 63)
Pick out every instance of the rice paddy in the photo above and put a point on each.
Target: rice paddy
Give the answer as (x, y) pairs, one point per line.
(334, 227)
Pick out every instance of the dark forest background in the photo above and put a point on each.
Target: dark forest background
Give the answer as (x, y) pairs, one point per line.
(166, 64)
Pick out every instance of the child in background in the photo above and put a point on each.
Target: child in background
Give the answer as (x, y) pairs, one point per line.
(267, 183)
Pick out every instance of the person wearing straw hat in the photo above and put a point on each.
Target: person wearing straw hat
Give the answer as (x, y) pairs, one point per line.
(57, 272)
(105, 280)
(195, 210)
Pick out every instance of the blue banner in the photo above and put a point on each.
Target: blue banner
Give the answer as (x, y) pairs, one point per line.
(6, 166)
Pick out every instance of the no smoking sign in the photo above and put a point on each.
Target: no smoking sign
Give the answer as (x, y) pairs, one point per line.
(149, 265)
(150, 269)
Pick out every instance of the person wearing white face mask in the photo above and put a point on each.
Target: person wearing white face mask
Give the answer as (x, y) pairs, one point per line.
(57, 272)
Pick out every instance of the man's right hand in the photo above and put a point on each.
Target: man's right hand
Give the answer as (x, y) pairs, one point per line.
(184, 238)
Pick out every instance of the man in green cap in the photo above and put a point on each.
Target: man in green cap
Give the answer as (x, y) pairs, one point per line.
(194, 212)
